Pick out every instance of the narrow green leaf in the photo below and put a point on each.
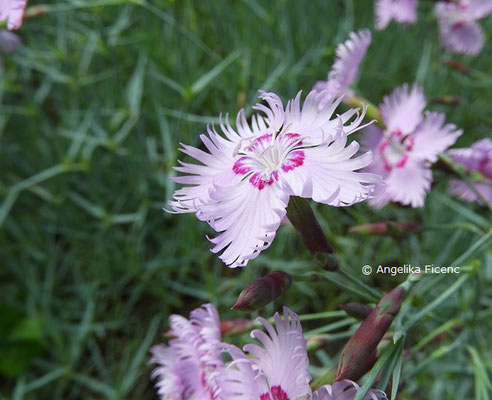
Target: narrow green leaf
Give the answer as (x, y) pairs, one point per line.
(396, 377)
(134, 90)
(205, 79)
(436, 302)
(390, 366)
(382, 361)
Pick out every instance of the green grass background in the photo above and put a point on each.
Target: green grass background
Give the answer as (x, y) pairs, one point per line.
(93, 108)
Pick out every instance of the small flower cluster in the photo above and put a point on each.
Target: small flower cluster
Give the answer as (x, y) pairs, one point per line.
(459, 31)
(192, 367)
(477, 159)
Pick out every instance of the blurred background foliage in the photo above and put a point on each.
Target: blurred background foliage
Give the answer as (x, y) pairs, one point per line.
(94, 106)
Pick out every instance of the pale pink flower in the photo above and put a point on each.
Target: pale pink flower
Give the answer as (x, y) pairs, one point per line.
(402, 11)
(12, 11)
(190, 366)
(345, 70)
(404, 151)
(278, 368)
(477, 158)
(458, 29)
(247, 175)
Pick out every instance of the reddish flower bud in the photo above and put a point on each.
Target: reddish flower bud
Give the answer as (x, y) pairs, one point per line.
(235, 326)
(357, 310)
(263, 291)
(386, 228)
(357, 356)
(458, 66)
(304, 221)
(447, 100)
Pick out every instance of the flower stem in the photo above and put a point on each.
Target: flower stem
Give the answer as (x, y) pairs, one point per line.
(305, 222)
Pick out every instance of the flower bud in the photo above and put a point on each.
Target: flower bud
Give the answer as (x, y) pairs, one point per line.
(386, 228)
(304, 221)
(447, 100)
(357, 310)
(235, 326)
(263, 291)
(360, 351)
(458, 66)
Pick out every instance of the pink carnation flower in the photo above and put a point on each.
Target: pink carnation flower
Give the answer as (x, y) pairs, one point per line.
(345, 70)
(277, 369)
(477, 158)
(246, 176)
(12, 11)
(402, 11)
(191, 365)
(404, 151)
(458, 29)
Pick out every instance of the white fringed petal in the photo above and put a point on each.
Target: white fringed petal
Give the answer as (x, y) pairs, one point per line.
(402, 11)
(345, 70)
(433, 136)
(328, 174)
(409, 185)
(12, 11)
(247, 219)
(478, 9)
(403, 108)
(282, 357)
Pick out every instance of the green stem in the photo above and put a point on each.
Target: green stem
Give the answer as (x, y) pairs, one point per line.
(302, 217)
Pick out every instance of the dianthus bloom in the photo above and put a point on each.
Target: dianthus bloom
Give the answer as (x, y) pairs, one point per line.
(458, 29)
(191, 365)
(402, 11)
(246, 178)
(404, 151)
(345, 70)
(12, 11)
(477, 158)
(276, 370)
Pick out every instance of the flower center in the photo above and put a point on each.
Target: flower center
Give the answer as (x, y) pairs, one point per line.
(277, 393)
(264, 156)
(394, 149)
(209, 390)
